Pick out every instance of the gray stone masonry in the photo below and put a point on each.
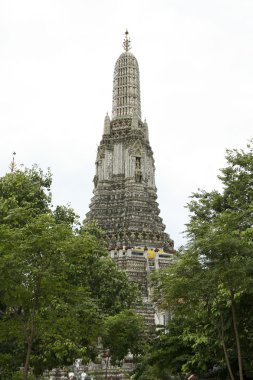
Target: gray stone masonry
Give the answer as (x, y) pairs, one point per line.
(124, 203)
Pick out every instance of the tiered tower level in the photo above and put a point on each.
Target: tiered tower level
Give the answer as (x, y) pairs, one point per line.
(125, 204)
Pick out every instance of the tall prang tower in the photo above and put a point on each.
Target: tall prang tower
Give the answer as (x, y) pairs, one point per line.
(125, 204)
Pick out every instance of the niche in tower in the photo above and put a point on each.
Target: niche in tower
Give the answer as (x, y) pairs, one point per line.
(138, 171)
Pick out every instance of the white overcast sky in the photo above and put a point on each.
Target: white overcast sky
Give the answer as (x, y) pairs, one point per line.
(196, 70)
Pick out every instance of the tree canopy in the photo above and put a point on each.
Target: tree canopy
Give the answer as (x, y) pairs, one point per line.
(122, 334)
(209, 288)
(57, 283)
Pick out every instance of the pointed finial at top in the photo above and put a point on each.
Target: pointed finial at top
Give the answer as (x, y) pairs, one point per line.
(13, 165)
(127, 42)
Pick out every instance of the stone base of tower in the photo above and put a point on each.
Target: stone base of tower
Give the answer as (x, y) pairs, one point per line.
(138, 263)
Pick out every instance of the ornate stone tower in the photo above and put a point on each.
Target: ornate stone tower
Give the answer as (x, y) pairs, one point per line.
(125, 204)
(125, 197)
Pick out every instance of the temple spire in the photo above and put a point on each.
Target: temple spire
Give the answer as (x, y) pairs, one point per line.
(126, 85)
(127, 41)
(124, 203)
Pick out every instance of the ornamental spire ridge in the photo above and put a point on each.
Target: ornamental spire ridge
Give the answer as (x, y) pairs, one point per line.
(127, 41)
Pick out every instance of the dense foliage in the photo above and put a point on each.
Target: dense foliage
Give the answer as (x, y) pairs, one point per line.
(59, 290)
(209, 289)
(58, 286)
(122, 334)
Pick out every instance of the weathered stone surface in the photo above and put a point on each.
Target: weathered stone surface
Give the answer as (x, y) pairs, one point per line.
(125, 196)
(125, 203)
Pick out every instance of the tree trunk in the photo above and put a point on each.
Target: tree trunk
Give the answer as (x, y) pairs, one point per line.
(225, 349)
(28, 354)
(29, 344)
(237, 338)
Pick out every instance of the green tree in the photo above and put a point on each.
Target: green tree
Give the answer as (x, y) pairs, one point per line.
(91, 267)
(24, 195)
(122, 334)
(209, 288)
(165, 354)
(57, 284)
(189, 342)
(220, 229)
